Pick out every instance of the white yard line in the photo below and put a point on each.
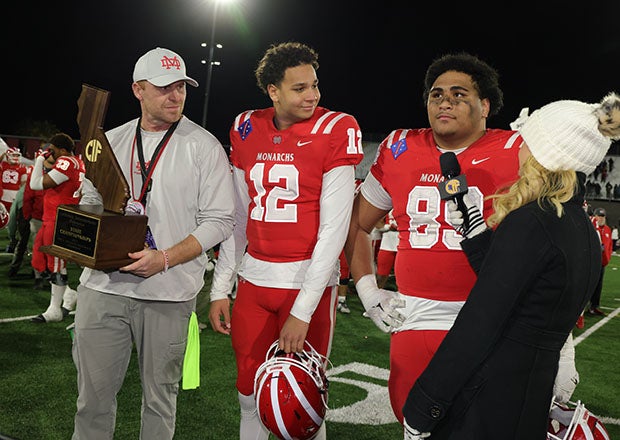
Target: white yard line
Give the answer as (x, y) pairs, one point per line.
(583, 336)
(596, 326)
(24, 318)
(19, 318)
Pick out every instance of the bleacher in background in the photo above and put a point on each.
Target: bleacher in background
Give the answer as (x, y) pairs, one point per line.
(603, 188)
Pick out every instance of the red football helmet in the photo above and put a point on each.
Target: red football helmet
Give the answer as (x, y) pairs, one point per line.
(291, 393)
(13, 155)
(4, 216)
(572, 421)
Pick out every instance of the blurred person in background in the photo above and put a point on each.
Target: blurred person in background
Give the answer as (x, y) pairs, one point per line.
(13, 175)
(387, 250)
(32, 210)
(604, 232)
(62, 185)
(19, 227)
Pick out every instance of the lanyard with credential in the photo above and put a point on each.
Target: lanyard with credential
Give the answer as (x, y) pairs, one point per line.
(147, 173)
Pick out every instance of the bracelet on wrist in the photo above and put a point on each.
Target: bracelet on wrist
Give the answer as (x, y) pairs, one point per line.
(166, 259)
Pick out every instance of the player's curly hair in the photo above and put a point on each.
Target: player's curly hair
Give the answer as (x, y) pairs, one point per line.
(548, 188)
(484, 77)
(63, 140)
(278, 58)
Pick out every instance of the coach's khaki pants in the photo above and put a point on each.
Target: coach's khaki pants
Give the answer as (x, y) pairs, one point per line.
(106, 328)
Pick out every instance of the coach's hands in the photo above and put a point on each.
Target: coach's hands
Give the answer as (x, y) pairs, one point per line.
(146, 263)
(455, 217)
(380, 304)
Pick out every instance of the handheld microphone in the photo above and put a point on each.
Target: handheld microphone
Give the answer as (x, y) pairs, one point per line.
(454, 185)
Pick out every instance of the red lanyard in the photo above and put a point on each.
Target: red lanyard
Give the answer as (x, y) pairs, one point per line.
(147, 173)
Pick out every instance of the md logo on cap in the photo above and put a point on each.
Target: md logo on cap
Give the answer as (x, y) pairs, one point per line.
(169, 63)
(161, 67)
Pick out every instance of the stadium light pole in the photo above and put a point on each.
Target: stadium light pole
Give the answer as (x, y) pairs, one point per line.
(210, 63)
(212, 45)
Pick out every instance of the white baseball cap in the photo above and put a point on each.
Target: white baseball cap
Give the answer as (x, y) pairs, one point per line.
(161, 67)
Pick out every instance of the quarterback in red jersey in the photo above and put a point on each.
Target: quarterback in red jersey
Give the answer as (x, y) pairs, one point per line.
(294, 171)
(63, 185)
(432, 273)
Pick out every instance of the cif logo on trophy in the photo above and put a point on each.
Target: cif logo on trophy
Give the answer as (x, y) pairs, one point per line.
(92, 150)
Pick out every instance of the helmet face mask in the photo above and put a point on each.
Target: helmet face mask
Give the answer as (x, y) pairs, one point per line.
(291, 392)
(13, 155)
(572, 421)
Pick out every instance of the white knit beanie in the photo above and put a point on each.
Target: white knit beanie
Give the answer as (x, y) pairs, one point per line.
(572, 135)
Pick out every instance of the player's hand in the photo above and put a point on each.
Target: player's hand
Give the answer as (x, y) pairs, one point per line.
(381, 305)
(44, 153)
(293, 335)
(219, 316)
(455, 217)
(414, 434)
(564, 386)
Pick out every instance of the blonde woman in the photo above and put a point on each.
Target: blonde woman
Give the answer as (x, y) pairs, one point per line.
(536, 270)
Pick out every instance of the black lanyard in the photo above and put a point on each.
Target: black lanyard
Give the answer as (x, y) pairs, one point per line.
(147, 173)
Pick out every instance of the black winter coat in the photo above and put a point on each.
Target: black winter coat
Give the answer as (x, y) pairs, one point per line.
(493, 375)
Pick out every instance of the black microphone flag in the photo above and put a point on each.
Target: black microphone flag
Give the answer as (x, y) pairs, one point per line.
(454, 185)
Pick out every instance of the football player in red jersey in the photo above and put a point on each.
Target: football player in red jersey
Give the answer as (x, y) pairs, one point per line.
(14, 175)
(432, 273)
(294, 171)
(536, 271)
(63, 185)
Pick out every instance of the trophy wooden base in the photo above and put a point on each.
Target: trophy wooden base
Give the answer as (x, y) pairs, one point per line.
(94, 238)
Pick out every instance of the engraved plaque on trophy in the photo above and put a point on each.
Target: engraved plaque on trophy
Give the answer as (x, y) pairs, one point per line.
(99, 237)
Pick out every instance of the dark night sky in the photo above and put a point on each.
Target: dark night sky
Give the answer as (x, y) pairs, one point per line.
(372, 57)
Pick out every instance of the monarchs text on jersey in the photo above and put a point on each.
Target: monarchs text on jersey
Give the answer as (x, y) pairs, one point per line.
(284, 172)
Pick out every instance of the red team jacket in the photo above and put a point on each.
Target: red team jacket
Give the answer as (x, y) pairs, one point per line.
(604, 232)
(32, 206)
(430, 263)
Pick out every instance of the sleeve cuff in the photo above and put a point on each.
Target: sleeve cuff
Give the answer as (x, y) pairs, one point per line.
(422, 411)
